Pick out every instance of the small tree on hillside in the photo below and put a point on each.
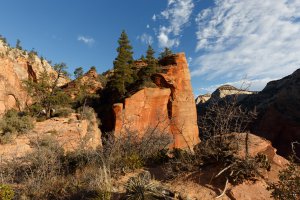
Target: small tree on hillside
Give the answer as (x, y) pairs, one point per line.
(78, 72)
(165, 53)
(123, 73)
(45, 91)
(18, 44)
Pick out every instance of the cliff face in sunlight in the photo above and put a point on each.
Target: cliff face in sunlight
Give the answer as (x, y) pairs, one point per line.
(15, 66)
(169, 108)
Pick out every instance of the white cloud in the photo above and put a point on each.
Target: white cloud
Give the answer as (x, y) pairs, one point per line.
(177, 13)
(145, 38)
(86, 40)
(147, 26)
(252, 38)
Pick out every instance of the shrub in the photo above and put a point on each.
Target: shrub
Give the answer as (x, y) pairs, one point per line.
(288, 186)
(130, 151)
(86, 113)
(142, 187)
(63, 112)
(6, 192)
(15, 122)
(6, 138)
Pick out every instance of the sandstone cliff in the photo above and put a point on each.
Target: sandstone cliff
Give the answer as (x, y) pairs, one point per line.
(224, 91)
(90, 81)
(202, 98)
(15, 66)
(171, 107)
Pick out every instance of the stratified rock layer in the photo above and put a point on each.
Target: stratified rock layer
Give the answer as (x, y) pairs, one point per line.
(172, 105)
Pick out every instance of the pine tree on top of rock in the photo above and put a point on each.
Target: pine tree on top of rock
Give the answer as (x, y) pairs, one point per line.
(165, 53)
(151, 67)
(123, 73)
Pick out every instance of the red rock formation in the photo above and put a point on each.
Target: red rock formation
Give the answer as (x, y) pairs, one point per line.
(143, 111)
(16, 66)
(90, 80)
(172, 105)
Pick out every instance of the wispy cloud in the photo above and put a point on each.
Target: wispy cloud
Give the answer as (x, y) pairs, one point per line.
(177, 14)
(86, 40)
(252, 38)
(145, 38)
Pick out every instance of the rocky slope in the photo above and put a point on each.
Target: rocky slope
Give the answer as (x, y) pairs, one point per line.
(169, 108)
(278, 105)
(18, 65)
(90, 82)
(69, 132)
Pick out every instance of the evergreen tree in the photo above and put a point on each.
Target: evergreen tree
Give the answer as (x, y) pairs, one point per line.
(142, 58)
(165, 53)
(78, 72)
(45, 91)
(123, 73)
(18, 44)
(151, 67)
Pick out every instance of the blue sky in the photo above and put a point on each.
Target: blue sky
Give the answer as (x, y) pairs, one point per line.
(225, 41)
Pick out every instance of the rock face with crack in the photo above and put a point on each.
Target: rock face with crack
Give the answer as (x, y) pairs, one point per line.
(16, 66)
(170, 107)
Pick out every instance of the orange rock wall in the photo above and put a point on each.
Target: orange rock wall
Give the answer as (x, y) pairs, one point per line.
(143, 111)
(183, 108)
(172, 105)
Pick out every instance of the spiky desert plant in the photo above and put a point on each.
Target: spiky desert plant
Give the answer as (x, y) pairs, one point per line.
(142, 188)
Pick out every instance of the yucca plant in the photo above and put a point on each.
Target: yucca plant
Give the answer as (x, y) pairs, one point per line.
(142, 188)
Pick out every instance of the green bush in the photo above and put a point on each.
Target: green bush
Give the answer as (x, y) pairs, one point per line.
(288, 186)
(15, 122)
(6, 192)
